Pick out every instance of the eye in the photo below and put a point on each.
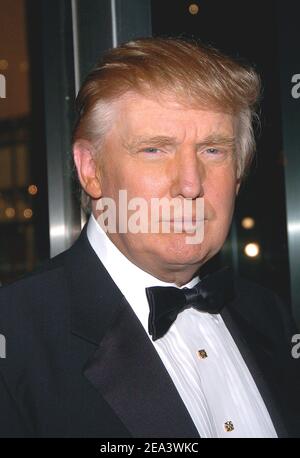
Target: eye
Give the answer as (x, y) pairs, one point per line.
(213, 151)
(151, 150)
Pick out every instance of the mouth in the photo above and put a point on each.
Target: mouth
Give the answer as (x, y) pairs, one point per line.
(185, 220)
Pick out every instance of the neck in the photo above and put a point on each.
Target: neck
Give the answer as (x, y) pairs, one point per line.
(170, 275)
(178, 274)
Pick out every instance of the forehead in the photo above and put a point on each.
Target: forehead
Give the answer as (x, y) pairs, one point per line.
(136, 114)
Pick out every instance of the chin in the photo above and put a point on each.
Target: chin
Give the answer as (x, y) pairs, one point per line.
(175, 250)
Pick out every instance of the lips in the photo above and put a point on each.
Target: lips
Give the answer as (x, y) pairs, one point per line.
(184, 220)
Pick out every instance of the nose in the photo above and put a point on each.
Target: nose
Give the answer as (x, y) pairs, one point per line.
(188, 175)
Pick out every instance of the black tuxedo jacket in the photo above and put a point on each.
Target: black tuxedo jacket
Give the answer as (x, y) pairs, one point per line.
(79, 364)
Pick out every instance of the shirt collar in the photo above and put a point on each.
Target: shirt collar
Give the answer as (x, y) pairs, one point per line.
(129, 278)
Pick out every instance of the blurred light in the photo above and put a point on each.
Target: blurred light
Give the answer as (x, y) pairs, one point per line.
(10, 212)
(294, 227)
(3, 64)
(58, 231)
(27, 213)
(32, 189)
(252, 250)
(194, 8)
(248, 222)
(23, 66)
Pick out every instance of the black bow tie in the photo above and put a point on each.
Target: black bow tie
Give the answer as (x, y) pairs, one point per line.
(166, 302)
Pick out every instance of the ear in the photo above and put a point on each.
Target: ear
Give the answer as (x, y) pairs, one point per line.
(85, 160)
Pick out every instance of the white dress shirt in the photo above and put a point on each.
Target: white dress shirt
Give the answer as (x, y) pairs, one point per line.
(215, 385)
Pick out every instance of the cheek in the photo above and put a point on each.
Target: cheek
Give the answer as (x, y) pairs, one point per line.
(115, 177)
(222, 199)
(143, 182)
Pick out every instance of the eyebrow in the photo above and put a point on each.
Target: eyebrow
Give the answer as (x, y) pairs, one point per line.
(217, 139)
(157, 140)
(162, 140)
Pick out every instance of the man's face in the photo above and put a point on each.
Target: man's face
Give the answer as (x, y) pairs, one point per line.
(157, 148)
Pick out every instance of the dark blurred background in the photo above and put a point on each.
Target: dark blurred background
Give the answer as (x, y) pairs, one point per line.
(24, 239)
(46, 49)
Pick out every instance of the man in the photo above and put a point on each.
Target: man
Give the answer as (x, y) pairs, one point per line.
(159, 120)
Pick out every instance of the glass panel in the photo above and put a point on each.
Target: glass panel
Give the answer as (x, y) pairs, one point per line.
(23, 187)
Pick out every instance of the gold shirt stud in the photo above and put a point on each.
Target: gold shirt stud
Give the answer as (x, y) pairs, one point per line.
(202, 354)
(228, 425)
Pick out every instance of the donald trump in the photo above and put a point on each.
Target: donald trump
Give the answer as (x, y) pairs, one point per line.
(124, 335)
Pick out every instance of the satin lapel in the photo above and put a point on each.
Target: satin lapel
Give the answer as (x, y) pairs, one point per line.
(131, 377)
(125, 368)
(239, 331)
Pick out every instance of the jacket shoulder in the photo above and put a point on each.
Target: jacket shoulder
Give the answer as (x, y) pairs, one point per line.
(263, 308)
(31, 284)
(32, 302)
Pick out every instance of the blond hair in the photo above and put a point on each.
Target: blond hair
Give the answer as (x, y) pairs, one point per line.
(196, 75)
